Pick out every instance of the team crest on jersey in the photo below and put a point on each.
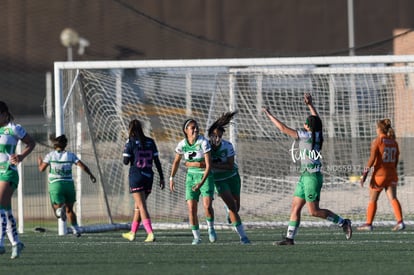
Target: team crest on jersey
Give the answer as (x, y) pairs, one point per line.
(192, 155)
(6, 131)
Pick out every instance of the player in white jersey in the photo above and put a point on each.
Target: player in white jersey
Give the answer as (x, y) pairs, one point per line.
(309, 187)
(10, 134)
(199, 181)
(61, 186)
(226, 175)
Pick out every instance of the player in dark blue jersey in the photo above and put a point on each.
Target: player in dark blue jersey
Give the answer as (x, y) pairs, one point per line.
(140, 153)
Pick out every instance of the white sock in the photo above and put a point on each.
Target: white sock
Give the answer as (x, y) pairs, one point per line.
(291, 232)
(210, 223)
(196, 233)
(12, 233)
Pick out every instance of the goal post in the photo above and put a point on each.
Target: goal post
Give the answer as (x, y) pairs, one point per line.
(350, 94)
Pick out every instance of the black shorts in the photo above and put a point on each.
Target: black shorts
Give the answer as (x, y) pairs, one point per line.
(140, 181)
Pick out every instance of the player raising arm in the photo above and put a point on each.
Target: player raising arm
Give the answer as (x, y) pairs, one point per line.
(309, 187)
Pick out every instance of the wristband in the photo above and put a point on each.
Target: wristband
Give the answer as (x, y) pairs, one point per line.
(171, 178)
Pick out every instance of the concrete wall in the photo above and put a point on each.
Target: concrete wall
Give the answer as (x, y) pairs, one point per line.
(165, 29)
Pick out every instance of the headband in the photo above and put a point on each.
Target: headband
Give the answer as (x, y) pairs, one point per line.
(188, 122)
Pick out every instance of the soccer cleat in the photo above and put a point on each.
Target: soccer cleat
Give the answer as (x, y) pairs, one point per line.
(2, 250)
(61, 213)
(196, 241)
(400, 226)
(17, 250)
(212, 236)
(365, 227)
(244, 240)
(150, 238)
(76, 231)
(286, 241)
(346, 226)
(130, 236)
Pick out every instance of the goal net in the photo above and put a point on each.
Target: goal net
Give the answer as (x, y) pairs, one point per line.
(96, 100)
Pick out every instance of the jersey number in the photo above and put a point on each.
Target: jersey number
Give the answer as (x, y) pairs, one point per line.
(389, 154)
(144, 159)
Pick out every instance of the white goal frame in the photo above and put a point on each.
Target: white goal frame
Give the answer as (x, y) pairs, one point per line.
(316, 65)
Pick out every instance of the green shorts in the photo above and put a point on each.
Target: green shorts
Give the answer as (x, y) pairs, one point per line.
(11, 176)
(233, 184)
(309, 186)
(207, 190)
(62, 192)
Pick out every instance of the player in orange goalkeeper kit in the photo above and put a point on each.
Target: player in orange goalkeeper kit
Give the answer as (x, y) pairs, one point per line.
(384, 158)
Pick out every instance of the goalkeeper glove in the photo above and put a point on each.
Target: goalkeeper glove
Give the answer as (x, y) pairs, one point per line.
(92, 178)
(364, 176)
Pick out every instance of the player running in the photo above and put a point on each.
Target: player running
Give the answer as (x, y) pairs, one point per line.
(225, 171)
(61, 186)
(384, 158)
(309, 187)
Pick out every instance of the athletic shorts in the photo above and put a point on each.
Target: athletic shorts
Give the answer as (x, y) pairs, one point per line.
(380, 182)
(62, 192)
(139, 182)
(309, 186)
(11, 176)
(207, 190)
(232, 184)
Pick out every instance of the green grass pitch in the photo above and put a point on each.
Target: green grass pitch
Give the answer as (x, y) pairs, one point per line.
(317, 251)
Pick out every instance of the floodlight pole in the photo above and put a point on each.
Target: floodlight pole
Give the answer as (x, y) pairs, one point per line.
(351, 28)
(69, 53)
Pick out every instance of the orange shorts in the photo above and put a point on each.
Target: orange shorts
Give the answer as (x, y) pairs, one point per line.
(380, 182)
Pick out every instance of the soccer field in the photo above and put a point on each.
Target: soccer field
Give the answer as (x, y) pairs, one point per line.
(317, 251)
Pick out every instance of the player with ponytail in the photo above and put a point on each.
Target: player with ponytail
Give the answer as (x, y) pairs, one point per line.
(140, 152)
(10, 134)
(384, 158)
(199, 181)
(226, 176)
(61, 187)
(309, 187)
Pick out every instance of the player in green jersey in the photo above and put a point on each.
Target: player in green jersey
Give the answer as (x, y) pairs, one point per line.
(199, 181)
(309, 187)
(10, 134)
(61, 187)
(225, 171)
